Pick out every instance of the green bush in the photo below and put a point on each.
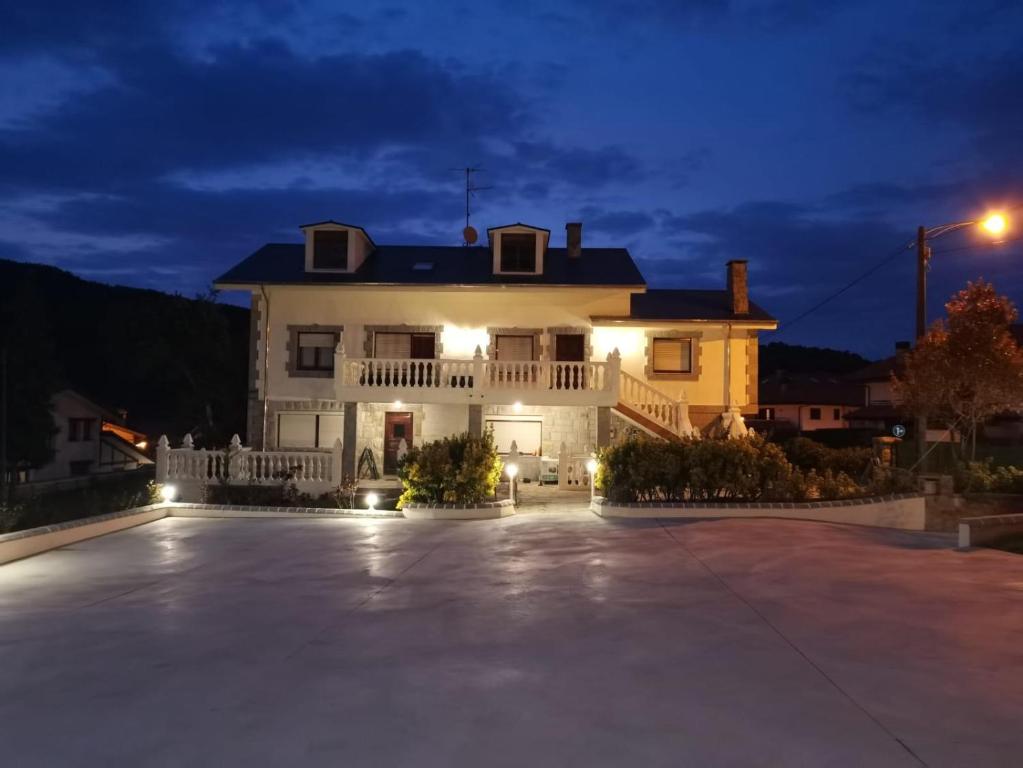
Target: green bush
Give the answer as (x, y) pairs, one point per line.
(986, 477)
(460, 470)
(807, 454)
(750, 469)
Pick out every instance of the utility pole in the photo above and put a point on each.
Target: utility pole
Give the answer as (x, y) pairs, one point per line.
(923, 256)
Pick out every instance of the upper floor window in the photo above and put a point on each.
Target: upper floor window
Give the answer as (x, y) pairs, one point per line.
(508, 347)
(330, 249)
(672, 355)
(518, 252)
(404, 346)
(80, 430)
(316, 351)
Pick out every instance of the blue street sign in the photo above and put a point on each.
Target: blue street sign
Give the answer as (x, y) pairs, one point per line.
(899, 431)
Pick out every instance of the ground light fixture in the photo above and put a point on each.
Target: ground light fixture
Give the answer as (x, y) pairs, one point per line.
(168, 492)
(591, 469)
(512, 470)
(372, 500)
(517, 407)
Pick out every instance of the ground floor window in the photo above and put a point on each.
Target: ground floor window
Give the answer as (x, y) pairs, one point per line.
(766, 413)
(525, 433)
(815, 414)
(308, 430)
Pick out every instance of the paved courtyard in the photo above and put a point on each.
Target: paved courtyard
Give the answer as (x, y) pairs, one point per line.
(551, 639)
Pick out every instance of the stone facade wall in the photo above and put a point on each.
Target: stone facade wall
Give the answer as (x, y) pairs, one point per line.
(576, 426)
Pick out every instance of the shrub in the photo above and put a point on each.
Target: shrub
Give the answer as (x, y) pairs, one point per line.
(807, 454)
(640, 469)
(461, 470)
(985, 477)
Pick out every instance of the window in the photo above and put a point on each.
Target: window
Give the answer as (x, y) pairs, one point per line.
(404, 346)
(767, 414)
(316, 351)
(525, 433)
(837, 414)
(330, 249)
(815, 414)
(308, 430)
(79, 430)
(518, 252)
(513, 347)
(672, 355)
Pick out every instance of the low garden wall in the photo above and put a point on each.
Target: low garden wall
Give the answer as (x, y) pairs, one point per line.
(978, 531)
(904, 510)
(480, 511)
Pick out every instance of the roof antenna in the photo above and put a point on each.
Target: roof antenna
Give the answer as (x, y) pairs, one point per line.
(469, 234)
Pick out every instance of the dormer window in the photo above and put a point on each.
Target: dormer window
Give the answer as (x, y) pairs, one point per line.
(518, 249)
(518, 252)
(330, 249)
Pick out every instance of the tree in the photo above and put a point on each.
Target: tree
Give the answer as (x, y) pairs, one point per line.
(968, 367)
(32, 378)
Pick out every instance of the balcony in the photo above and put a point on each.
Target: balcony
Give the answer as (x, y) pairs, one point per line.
(477, 381)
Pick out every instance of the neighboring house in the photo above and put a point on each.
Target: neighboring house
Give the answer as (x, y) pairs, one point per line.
(374, 345)
(880, 409)
(90, 440)
(808, 401)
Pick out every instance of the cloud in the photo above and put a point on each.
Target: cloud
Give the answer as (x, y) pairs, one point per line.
(619, 223)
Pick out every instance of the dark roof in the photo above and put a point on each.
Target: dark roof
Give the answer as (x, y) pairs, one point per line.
(684, 304)
(880, 370)
(809, 389)
(519, 224)
(284, 263)
(875, 412)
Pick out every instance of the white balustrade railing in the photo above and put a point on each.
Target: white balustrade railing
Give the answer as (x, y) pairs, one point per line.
(573, 474)
(656, 406)
(465, 379)
(238, 465)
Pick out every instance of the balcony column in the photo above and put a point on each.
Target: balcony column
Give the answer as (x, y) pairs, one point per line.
(348, 445)
(603, 426)
(475, 420)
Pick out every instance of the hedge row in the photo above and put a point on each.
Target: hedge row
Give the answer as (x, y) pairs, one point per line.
(749, 469)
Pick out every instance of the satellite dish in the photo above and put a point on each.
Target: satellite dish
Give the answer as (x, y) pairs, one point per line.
(470, 235)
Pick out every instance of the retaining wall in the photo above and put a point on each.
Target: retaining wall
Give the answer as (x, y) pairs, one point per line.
(905, 511)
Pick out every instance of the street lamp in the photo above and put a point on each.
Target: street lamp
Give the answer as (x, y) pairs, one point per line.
(994, 225)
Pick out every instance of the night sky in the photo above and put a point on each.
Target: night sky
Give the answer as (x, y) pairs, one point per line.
(156, 144)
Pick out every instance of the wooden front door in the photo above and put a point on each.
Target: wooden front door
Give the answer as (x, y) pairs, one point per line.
(397, 427)
(569, 347)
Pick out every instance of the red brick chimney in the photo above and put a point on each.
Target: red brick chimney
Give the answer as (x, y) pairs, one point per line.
(738, 287)
(574, 239)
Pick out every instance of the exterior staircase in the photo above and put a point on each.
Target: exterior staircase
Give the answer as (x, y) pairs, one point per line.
(651, 410)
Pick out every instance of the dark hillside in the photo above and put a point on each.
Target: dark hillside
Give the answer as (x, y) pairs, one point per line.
(176, 364)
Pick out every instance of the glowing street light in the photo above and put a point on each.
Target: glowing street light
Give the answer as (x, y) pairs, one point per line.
(511, 470)
(995, 224)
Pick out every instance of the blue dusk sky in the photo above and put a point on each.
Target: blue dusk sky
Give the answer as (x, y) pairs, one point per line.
(155, 144)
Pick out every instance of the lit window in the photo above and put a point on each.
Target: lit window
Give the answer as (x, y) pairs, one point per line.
(672, 355)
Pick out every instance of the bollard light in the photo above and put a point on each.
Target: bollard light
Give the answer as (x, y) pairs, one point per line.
(512, 470)
(168, 492)
(372, 500)
(591, 469)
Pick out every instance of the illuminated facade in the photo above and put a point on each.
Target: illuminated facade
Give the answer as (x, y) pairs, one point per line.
(375, 345)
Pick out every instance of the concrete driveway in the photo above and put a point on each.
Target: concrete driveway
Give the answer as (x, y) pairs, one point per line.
(540, 640)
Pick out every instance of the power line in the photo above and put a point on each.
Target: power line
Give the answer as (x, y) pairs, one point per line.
(851, 284)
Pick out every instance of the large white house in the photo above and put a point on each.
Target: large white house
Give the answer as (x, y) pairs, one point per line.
(376, 344)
